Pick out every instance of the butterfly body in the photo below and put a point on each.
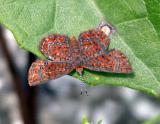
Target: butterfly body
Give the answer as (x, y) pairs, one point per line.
(65, 54)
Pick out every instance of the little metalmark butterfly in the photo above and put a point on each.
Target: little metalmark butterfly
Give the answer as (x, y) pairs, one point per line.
(65, 54)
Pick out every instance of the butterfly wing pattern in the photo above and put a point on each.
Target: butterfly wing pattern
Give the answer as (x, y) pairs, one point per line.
(92, 43)
(58, 49)
(94, 46)
(65, 54)
(114, 61)
(41, 71)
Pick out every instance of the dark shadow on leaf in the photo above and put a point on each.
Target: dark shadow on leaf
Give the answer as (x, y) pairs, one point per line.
(73, 72)
(107, 74)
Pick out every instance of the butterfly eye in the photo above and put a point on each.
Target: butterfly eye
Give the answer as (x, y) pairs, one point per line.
(106, 30)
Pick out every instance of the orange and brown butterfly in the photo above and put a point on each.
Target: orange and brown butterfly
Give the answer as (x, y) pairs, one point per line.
(65, 54)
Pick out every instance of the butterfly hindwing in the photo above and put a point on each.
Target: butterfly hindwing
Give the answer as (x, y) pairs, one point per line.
(41, 71)
(112, 61)
(57, 48)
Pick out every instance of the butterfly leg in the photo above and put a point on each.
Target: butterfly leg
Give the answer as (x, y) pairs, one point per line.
(108, 52)
(79, 70)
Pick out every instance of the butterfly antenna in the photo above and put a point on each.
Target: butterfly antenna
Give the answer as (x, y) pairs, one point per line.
(83, 86)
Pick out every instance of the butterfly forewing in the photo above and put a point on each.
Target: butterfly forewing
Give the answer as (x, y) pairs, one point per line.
(41, 71)
(57, 48)
(93, 43)
(113, 61)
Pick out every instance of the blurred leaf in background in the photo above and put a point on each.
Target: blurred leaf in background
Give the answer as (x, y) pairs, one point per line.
(85, 120)
(137, 32)
(155, 120)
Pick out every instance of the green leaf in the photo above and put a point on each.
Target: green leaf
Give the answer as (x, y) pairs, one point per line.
(137, 24)
(155, 120)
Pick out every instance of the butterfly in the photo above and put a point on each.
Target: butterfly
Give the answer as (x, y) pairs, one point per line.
(64, 54)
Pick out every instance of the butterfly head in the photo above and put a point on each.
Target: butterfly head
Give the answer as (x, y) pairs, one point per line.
(106, 28)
